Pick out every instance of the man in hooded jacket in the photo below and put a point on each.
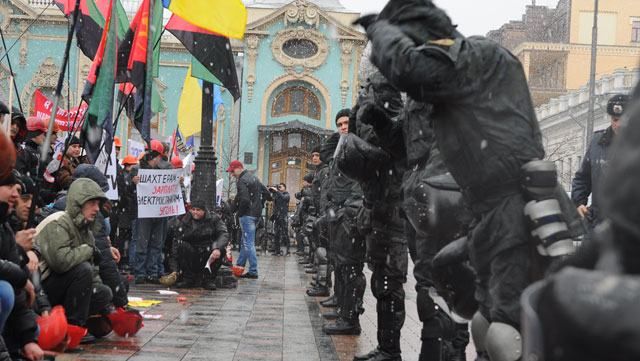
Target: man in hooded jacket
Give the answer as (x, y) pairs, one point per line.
(486, 130)
(70, 258)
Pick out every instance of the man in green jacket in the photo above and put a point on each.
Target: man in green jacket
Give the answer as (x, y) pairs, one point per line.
(70, 257)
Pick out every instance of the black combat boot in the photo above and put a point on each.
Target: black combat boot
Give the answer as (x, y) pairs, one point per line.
(330, 315)
(330, 302)
(343, 327)
(319, 291)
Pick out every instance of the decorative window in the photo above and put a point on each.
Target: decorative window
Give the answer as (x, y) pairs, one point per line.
(276, 143)
(296, 100)
(294, 140)
(635, 31)
(248, 158)
(300, 48)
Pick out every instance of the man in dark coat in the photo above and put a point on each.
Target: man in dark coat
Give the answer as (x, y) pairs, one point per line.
(20, 330)
(281, 200)
(380, 219)
(201, 240)
(322, 189)
(595, 163)
(486, 130)
(346, 245)
(250, 198)
(435, 218)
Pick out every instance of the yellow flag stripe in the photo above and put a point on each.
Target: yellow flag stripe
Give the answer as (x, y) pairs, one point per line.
(190, 106)
(225, 17)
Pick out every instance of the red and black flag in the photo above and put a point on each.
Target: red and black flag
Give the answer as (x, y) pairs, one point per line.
(99, 90)
(91, 22)
(210, 49)
(138, 59)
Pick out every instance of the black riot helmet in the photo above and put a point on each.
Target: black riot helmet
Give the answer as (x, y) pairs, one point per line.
(617, 105)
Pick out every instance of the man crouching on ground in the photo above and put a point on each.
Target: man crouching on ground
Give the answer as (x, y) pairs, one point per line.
(70, 271)
(201, 238)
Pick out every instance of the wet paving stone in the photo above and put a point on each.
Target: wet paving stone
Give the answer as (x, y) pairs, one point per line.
(266, 319)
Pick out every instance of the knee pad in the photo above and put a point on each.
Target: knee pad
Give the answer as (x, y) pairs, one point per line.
(321, 255)
(479, 328)
(503, 342)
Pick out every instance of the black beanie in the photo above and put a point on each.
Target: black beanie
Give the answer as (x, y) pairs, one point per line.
(74, 140)
(200, 204)
(343, 113)
(10, 179)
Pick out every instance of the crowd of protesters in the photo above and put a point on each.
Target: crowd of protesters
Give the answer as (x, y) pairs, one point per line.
(449, 174)
(68, 253)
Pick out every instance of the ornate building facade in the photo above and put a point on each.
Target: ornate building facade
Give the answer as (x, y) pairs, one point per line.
(554, 44)
(301, 61)
(297, 67)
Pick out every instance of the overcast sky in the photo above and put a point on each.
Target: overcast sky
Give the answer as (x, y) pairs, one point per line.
(472, 16)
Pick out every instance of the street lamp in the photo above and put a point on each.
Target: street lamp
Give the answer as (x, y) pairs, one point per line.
(204, 176)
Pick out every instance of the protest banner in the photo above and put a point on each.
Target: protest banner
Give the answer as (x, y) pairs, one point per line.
(159, 193)
(219, 186)
(110, 173)
(135, 148)
(64, 119)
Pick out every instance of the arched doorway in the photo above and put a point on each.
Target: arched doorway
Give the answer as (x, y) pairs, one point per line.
(289, 146)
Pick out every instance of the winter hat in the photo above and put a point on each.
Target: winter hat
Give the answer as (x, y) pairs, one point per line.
(421, 20)
(316, 150)
(28, 186)
(620, 193)
(617, 104)
(308, 178)
(92, 172)
(200, 204)
(74, 140)
(343, 113)
(236, 164)
(8, 161)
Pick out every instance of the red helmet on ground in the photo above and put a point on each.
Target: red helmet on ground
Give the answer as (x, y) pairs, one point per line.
(75, 335)
(117, 142)
(53, 328)
(126, 322)
(157, 146)
(176, 163)
(130, 160)
(237, 271)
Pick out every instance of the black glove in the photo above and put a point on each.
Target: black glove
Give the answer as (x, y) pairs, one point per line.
(366, 20)
(97, 255)
(372, 114)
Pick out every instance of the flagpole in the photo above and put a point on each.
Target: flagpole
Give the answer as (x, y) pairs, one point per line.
(12, 75)
(148, 94)
(44, 147)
